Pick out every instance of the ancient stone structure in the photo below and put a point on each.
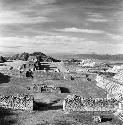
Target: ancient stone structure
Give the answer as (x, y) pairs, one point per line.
(115, 69)
(92, 63)
(117, 96)
(72, 103)
(119, 76)
(44, 88)
(82, 70)
(110, 85)
(88, 63)
(25, 67)
(32, 58)
(19, 101)
(77, 103)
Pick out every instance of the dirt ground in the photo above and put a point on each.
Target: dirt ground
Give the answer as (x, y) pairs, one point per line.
(48, 107)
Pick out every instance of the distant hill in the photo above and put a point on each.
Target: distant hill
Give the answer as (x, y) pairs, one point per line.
(57, 57)
(91, 56)
(24, 56)
(101, 57)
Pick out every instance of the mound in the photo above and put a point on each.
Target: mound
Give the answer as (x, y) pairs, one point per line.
(41, 57)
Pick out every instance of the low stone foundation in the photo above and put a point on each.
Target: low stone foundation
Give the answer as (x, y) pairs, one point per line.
(19, 101)
(76, 103)
(43, 88)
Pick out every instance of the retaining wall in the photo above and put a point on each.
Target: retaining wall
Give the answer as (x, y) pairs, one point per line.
(76, 103)
(19, 101)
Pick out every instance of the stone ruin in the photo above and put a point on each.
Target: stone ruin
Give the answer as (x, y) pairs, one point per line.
(92, 63)
(110, 85)
(77, 103)
(19, 101)
(115, 69)
(118, 96)
(119, 76)
(44, 88)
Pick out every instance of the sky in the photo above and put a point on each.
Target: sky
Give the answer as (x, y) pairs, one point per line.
(61, 26)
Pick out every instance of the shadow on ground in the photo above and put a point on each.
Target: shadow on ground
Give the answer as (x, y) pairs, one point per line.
(105, 119)
(5, 117)
(64, 90)
(40, 106)
(4, 78)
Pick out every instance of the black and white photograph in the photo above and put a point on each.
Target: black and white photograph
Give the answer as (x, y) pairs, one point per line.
(61, 62)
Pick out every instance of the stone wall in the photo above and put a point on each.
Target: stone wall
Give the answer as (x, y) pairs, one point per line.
(119, 76)
(117, 96)
(109, 84)
(44, 88)
(19, 101)
(92, 63)
(77, 103)
(115, 69)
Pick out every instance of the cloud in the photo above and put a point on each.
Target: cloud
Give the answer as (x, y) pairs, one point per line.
(49, 43)
(54, 39)
(12, 17)
(46, 39)
(21, 3)
(44, 1)
(115, 36)
(23, 21)
(54, 43)
(97, 20)
(76, 30)
(26, 11)
(94, 15)
(11, 47)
